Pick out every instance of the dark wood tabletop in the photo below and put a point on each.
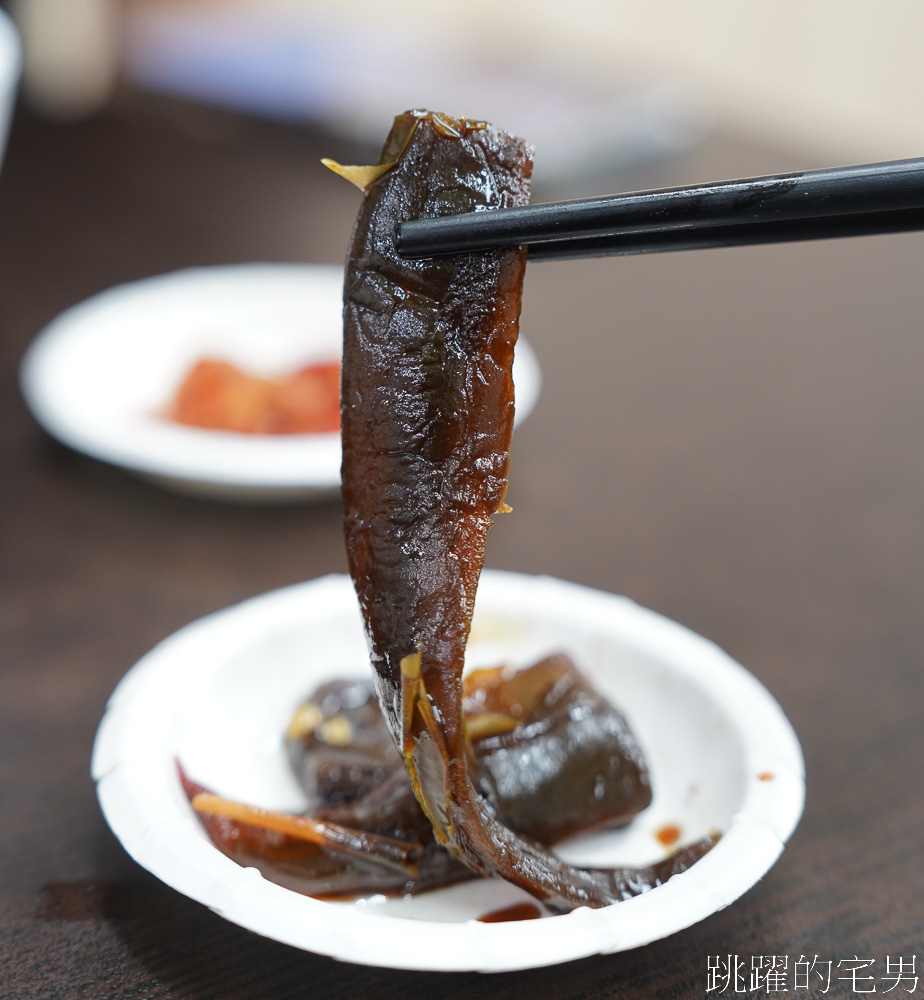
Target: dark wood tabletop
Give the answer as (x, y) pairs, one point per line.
(732, 438)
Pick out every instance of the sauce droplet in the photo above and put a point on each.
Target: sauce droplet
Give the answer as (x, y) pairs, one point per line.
(765, 776)
(519, 911)
(668, 834)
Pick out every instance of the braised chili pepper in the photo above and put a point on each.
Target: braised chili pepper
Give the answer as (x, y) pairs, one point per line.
(554, 758)
(550, 754)
(497, 767)
(427, 416)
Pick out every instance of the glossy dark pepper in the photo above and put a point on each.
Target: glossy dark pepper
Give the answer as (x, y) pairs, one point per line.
(427, 416)
(372, 836)
(549, 753)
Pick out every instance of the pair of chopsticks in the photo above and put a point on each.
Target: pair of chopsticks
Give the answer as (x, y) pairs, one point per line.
(864, 200)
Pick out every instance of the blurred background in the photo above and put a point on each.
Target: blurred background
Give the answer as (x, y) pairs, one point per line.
(154, 135)
(595, 84)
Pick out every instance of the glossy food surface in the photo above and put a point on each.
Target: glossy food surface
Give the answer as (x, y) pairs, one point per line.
(427, 413)
(537, 737)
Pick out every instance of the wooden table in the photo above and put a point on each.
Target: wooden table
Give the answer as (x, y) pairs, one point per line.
(733, 438)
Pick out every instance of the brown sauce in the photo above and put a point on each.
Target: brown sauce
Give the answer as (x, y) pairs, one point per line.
(518, 911)
(668, 835)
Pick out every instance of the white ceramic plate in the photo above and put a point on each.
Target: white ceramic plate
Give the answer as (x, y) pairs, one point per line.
(98, 375)
(218, 695)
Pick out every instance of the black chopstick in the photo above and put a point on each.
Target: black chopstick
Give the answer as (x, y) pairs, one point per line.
(818, 204)
(744, 234)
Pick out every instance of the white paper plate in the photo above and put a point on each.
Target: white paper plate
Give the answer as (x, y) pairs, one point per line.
(218, 695)
(98, 375)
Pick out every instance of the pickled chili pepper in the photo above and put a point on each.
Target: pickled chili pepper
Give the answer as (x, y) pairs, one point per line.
(321, 867)
(449, 778)
(427, 416)
(217, 395)
(372, 836)
(550, 754)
